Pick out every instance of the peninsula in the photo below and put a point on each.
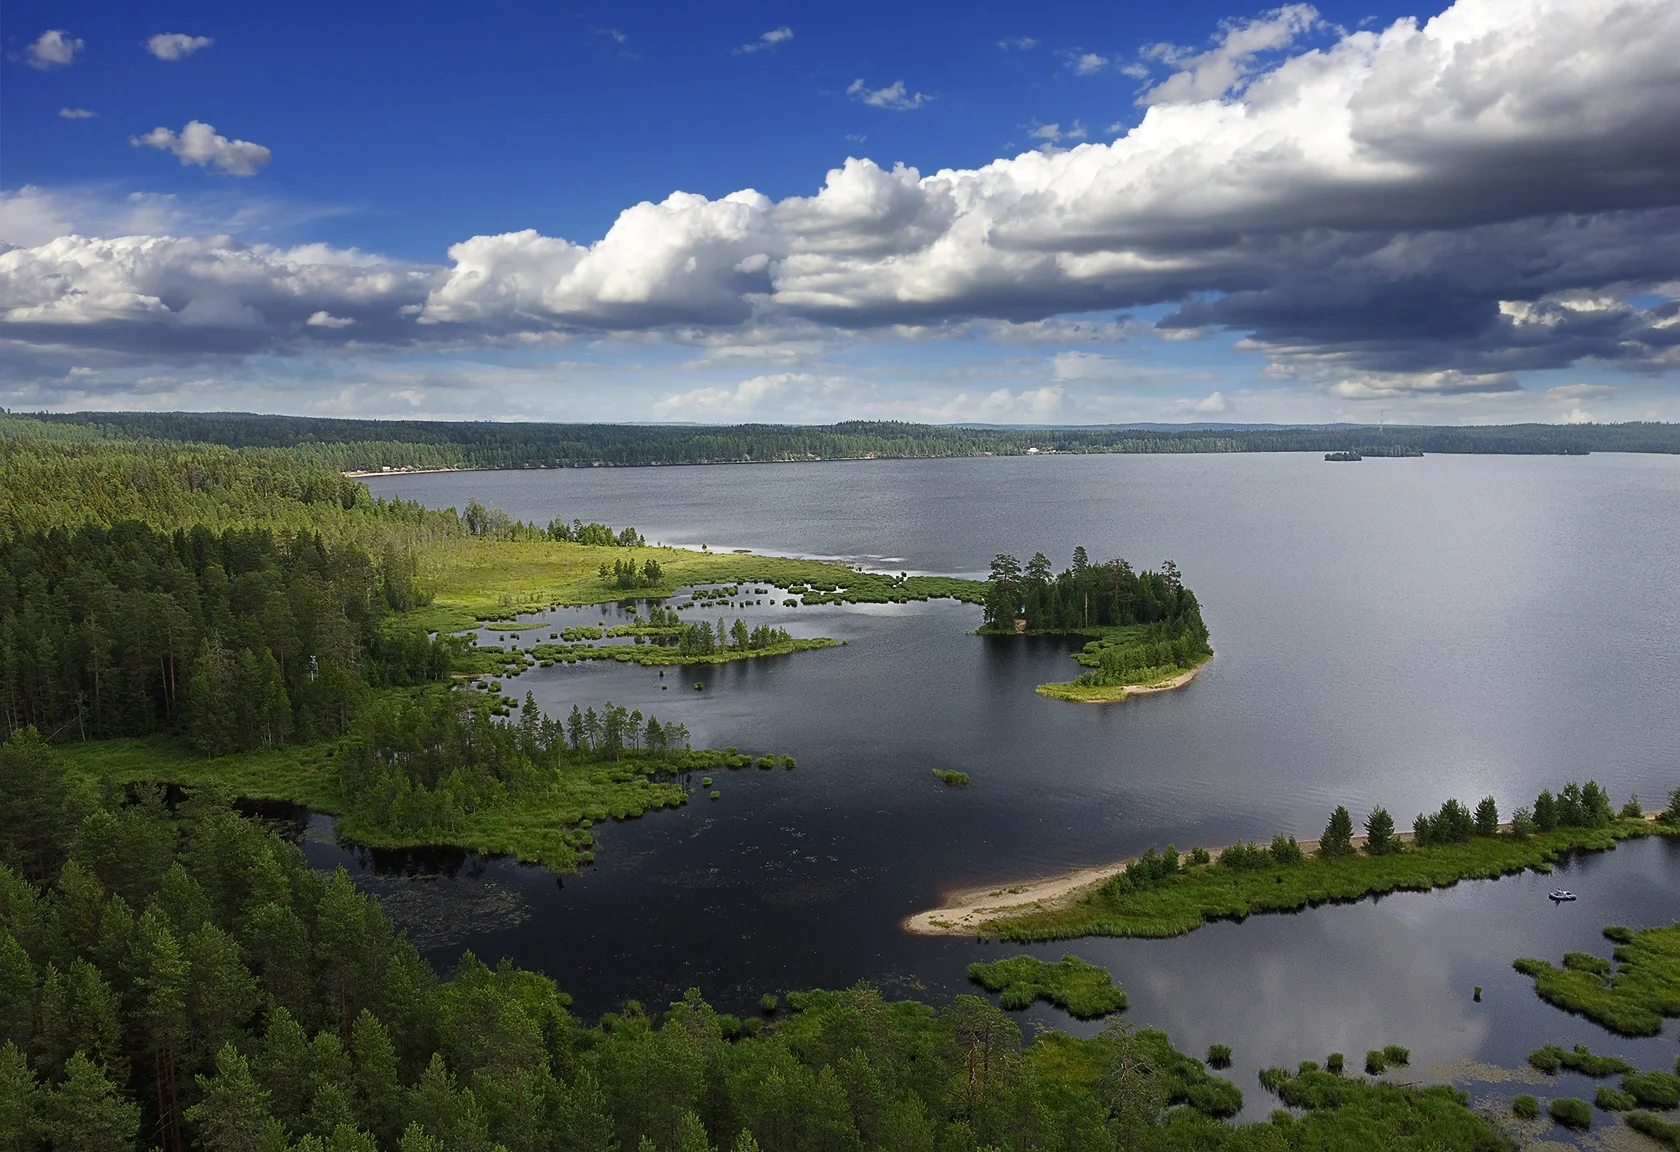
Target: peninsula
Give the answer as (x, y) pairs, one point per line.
(1162, 894)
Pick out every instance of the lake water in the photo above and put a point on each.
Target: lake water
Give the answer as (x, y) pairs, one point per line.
(1391, 632)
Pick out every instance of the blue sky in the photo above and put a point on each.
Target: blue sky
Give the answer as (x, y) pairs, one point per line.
(422, 210)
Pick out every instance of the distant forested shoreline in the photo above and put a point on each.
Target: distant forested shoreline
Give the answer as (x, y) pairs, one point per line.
(370, 445)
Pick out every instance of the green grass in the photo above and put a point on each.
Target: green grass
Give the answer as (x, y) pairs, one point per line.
(1658, 1129)
(1653, 1089)
(1611, 1099)
(1525, 1107)
(474, 579)
(1182, 903)
(952, 777)
(1349, 1112)
(1572, 1113)
(1630, 997)
(1551, 1058)
(1084, 990)
(545, 826)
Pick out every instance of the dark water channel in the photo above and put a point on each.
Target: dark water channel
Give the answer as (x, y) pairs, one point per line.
(1393, 632)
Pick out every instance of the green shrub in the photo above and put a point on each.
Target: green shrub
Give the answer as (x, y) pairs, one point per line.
(1198, 856)
(1335, 1064)
(768, 1003)
(1572, 1113)
(1396, 1055)
(1286, 851)
(1219, 1056)
(1613, 1099)
(1633, 809)
(1522, 823)
(1375, 1064)
(1671, 814)
(1525, 1107)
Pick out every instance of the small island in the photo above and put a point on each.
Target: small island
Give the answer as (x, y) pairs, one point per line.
(1146, 627)
(1342, 457)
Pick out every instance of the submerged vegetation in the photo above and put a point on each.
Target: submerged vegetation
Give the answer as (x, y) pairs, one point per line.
(1165, 894)
(1083, 989)
(1630, 995)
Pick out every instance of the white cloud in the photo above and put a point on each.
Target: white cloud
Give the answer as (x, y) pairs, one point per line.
(1400, 385)
(1054, 133)
(176, 45)
(893, 96)
(1017, 43)
(1210, 405)
(325, 319)
(1211, 74)
(199, 143)
(1577, 415)
(1088, 64)
(76, 114)
(768, 40)
(55, 48)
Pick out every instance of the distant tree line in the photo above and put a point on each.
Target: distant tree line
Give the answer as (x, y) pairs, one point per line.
(373, 444)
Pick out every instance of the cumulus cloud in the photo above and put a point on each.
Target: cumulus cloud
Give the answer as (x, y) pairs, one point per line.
(176, 45)
(55, 48)
(76, 114)
(1088, 63)
(1210, 405)
(198, 143)
(893, 96)
(1211, 74)
(206, 294)
(1424, 209)
(768, 40)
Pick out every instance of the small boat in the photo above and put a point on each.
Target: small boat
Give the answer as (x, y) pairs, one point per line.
(1560, 895)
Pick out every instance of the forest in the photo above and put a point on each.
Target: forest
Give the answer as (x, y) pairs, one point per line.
(177, 977)
(345, 445)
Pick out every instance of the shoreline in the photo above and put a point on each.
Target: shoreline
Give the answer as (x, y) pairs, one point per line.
(363, 474)
(967, 910)
(1075, 693)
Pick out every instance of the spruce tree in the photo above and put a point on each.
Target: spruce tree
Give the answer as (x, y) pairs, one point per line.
(1487, 817)
(1338, 835)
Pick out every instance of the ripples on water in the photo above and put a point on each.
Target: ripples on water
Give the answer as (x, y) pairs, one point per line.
(1393, 633)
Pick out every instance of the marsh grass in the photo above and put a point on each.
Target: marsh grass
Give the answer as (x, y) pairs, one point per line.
(1552, 1058)
(545, 826)
(952, 777)
(1083, 989)
(1631, 995)
(1658, 1129)
(1572, 1113)
(1198, 894)
(1525, 1107)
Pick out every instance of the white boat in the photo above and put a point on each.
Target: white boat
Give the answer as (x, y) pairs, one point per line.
(1560, 895)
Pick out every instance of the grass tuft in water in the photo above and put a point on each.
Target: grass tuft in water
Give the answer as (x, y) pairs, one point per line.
(1083, 989)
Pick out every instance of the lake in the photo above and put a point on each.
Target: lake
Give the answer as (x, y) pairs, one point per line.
(1389, 632)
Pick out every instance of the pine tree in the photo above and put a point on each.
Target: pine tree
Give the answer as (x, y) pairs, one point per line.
(20, 1099)
(1487, 817)
(1338, 835)
(86, 1113)
(233, 1115)
(1379, 833)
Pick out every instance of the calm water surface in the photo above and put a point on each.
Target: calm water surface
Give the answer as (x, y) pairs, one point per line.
(1392, 632)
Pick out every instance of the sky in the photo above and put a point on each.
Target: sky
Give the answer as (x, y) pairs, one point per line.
(1058, 213)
